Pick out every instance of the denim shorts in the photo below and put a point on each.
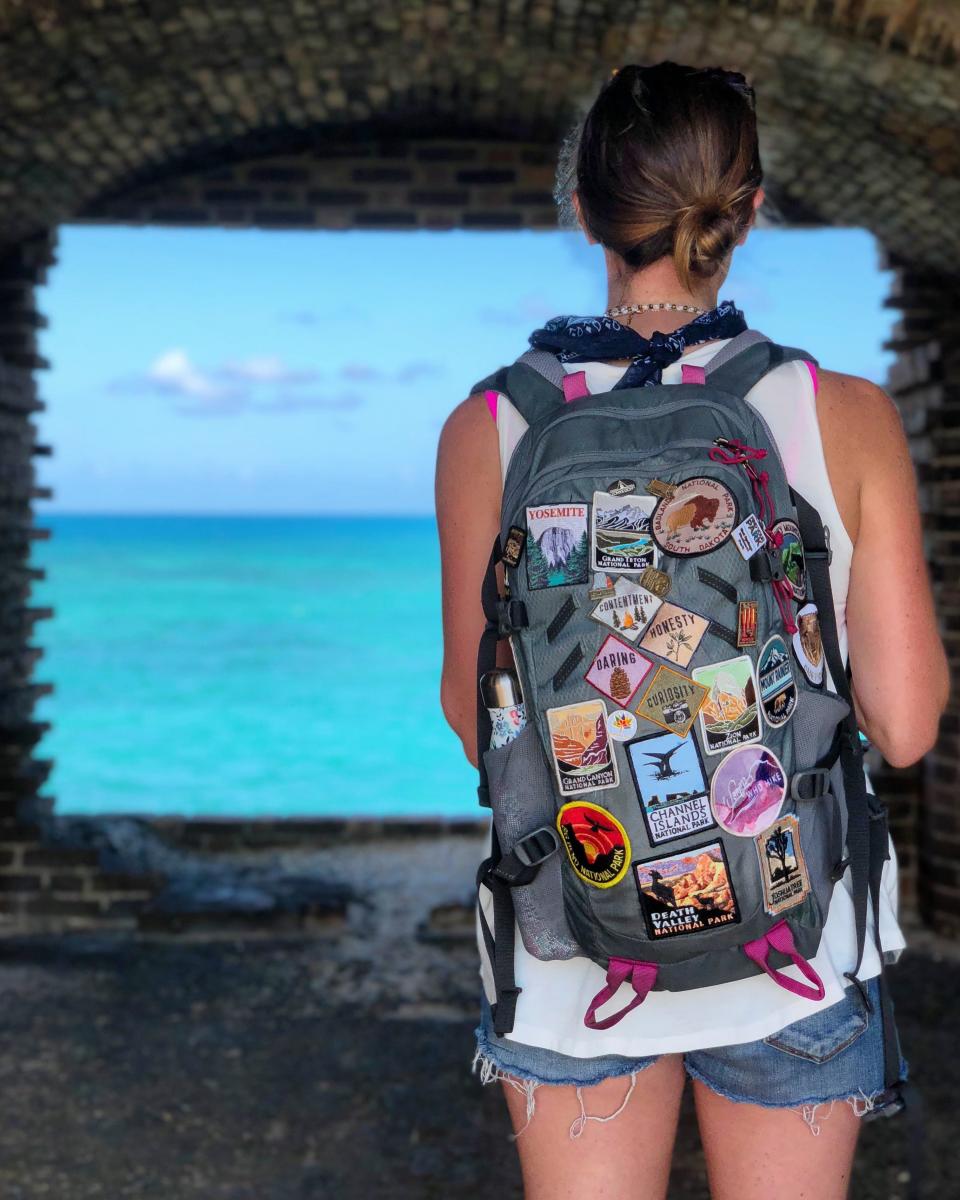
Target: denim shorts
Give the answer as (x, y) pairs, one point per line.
(834, 1054)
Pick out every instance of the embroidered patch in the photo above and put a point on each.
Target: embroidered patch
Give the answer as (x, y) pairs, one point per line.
(621, 487)
(671, 785)
(778, 690)
(698, 517)
(747, 617)
(749, 536)
(583, 759)
(782, 867)
(597, 845)
(621, 533)
(629, 610)
(687, 892)
(747, 790)
(656, 487)
(514, 547)
(675, 633)
(621, 724)
(808, 644)
(602, 585)
(557, 546)
(655, 581)
(618, 670)
(791, 556)
(672, 701)
(730, 715)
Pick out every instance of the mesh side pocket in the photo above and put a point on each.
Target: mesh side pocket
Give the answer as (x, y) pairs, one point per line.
(521, 799)
(814, 725)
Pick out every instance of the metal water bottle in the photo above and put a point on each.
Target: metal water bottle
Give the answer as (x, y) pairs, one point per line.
(500, 691)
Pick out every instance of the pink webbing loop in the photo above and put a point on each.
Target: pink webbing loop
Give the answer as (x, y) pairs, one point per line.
(491, 398)
(575, 386)
(689, 373)
(780, 938)
(642, 975)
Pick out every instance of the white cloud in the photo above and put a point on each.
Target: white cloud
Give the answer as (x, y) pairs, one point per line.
(173, 372)
(268, 368)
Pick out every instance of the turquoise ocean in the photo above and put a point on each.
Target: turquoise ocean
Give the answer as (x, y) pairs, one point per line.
(246, 666)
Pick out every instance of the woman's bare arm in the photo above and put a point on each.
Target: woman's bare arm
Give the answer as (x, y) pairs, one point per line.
(468, 518)
(897, 660)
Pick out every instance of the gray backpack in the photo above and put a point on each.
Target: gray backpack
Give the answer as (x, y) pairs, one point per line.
(687, 789)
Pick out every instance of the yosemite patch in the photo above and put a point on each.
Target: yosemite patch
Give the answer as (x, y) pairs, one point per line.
(557, 545)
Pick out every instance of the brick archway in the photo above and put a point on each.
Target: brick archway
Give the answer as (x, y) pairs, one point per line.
(450, 116)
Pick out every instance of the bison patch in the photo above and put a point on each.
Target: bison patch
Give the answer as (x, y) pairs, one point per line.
(699, 516)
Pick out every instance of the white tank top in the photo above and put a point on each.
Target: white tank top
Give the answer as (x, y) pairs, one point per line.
(556, 994)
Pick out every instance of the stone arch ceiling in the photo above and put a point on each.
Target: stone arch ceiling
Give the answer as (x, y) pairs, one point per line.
(858, 99)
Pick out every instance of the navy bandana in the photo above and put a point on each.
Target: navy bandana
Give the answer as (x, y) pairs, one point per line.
(580, 339)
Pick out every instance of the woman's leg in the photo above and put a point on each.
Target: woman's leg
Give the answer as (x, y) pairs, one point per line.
(612, 1140)
(754, 1153)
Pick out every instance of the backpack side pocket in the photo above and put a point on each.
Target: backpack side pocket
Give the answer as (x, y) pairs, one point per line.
(521, 800)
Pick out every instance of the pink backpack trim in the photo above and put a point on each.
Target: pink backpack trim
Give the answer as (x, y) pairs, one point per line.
(642, 975)
(575, 386)
(812, 368)
(780, 938)
(690, 373)
(491, 399)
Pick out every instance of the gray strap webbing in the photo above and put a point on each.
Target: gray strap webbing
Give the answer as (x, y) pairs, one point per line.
(747, 364)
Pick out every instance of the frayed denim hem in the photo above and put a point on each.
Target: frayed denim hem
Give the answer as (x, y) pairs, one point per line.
(861, 1103)
(527, 1083)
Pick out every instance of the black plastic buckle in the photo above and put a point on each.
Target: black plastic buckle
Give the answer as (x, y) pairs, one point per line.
(535, 847)
(483, 795)
(511, 616)
(820, 784)
(766, 566)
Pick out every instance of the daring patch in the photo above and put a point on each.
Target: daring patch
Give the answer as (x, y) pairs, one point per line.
(698, 517)
(583, 759)
(784, 872)
(514, 546)
(621, 724)
(750, 536)
(671, 786)
(778, 689)
(675, 633)
(629, 610)
(557, 546)
(657, 487)
(747, 617)
(597, 845)
(621, 533)
(791, 556)
(672, 701)
(602, 585)
(687, 892)
(622, 487)
(730, 715)
(618, 670)
(808, 645)
(655, 581)
(747, 790)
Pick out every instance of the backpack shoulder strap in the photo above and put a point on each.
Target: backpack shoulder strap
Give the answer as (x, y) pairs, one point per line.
(745, 359)
(533, 384)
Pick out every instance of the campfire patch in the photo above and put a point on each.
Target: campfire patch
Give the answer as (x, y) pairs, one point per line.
(688, 892)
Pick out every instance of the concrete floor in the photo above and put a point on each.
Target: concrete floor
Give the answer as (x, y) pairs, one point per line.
(297, 1067)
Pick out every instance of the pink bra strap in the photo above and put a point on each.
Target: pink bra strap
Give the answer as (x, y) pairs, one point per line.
(780, 938)
(690, 373)
(492, 398)
(575, 386)
(812, 368)
(643, 975)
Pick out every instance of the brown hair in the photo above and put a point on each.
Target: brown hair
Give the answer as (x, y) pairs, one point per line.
(666, 161)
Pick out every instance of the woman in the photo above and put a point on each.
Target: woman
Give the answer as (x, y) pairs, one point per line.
(666, 177)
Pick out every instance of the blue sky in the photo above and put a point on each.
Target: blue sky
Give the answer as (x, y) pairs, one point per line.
(257, 371)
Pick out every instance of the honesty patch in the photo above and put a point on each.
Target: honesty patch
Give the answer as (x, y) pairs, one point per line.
(687, 892)
(730, 715)
(629, 610)
(583, 759)
(675, 633)
(698, 517)
(671, 786)
(621, 533)
(672, 701)
(618, 670)
(747, 790)
(808, 644)
(597, 845)
(557, 545)
(778, 689)
(791, 556)
(782, 867)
